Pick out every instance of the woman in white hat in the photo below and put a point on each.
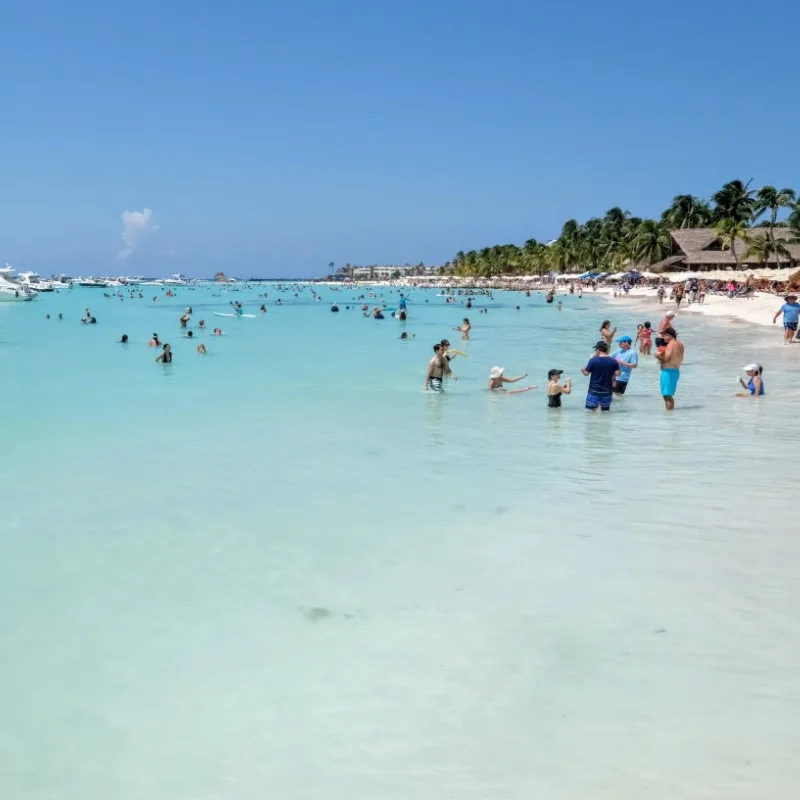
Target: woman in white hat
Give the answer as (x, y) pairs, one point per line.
(497, 379)
(755, 386)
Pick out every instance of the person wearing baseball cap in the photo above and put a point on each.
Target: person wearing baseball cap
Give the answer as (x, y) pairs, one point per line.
(601, 370)
(791, 316)
(628, 360)
(556, 389)
(755, 386)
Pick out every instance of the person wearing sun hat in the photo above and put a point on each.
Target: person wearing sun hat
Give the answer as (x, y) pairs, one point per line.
(628, 360)
(497, 379)
(791, 316)
(755, 386)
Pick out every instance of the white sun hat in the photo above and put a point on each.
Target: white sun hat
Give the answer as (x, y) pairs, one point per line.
(497, 372)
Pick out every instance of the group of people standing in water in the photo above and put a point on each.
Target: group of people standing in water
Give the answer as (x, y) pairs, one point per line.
(609, 369)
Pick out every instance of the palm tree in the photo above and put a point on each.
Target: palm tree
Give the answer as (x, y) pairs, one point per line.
(734, 201)
(650, 242)
(687, 211)
(761, 247)
(729, 231)
(770, 199)
(794, 219)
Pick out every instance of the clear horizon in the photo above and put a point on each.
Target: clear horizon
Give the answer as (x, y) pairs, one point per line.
(273, 141)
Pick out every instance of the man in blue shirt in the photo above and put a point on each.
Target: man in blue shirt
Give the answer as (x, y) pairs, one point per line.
(601, 369)
(627, 360)
(791, 316)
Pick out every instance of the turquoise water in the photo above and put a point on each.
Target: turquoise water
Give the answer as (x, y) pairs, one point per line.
(282, 570)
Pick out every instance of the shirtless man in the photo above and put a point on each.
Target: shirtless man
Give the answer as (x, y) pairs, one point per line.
(662, 326)
(438, 367)
(671, 358)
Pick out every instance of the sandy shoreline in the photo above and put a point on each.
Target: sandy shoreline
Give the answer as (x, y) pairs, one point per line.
(757, 310)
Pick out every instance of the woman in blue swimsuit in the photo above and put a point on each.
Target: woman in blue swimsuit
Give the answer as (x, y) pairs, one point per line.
(755, 386)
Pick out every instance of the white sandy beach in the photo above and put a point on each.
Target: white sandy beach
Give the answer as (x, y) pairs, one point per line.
(757, 310)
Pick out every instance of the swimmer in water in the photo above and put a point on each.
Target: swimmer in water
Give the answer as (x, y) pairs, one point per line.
(165, 356)
(437, 369)
(403, 336)
(263, 309)
(124, 339)
(606, 334)
(464, 329)
(556, 389)
(61, 316)
(154, 341)
(190, 335)
(497, 379)
(201, 324)
(201, 348)
(755, 386)
(184, 320)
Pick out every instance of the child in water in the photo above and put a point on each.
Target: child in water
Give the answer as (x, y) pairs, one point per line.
(644, 335)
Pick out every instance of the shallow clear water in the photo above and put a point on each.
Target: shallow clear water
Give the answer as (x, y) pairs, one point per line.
(282, 570)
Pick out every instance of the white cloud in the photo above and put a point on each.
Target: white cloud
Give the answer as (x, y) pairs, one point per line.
(138, 229)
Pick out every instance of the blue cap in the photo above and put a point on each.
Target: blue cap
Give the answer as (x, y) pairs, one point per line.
(625, 339)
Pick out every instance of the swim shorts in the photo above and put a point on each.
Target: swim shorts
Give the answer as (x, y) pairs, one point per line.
(601, 401)
(669, 381)
(620, 387)
(790, 326)
(435, 385)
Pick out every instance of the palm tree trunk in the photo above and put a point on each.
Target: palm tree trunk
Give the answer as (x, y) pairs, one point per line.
(772, 237)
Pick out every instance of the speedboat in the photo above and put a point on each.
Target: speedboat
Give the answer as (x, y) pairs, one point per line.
(11, 290)
(93, 283)
(175, 280)
(32, 281)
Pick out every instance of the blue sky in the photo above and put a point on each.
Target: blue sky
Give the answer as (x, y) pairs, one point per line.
(271, 138)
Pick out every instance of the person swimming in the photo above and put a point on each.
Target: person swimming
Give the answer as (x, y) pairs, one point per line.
(201, 348)
(165, 356)
(124, 339)
(497, 378)
(154, 341)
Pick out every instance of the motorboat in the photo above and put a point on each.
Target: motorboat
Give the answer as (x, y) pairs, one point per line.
(11, 290)
(32, 281)
(92, 283)
(176, 280)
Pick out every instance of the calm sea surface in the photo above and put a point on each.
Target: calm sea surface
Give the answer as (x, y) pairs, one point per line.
(282, 570)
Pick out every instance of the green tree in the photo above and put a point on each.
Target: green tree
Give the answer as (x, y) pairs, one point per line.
(729, 231)
(650, 242)
(761, 247)
(773, 200)
(734, 201)
(687, 211)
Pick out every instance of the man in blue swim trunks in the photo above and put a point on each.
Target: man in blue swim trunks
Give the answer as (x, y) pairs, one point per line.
(601, 369)
(791, 316)
(671, 359)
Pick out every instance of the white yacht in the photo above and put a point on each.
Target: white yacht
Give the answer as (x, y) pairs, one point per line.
(175, 280)
(32, 281)
(11, 290)
(92, 283)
